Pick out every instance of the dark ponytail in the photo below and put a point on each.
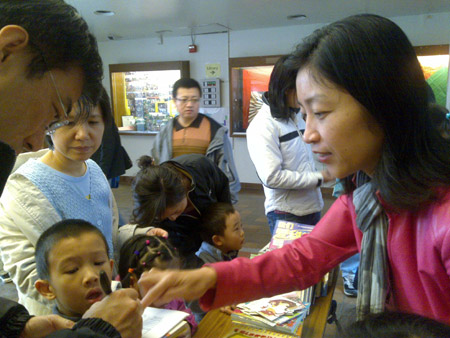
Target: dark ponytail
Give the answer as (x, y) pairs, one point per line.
(155, 188)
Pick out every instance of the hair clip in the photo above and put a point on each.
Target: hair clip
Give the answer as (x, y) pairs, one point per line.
(136, 253)
(147, 242)
(130, 270)
(448, 116)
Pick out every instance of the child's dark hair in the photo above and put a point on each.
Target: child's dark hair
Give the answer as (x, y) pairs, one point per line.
(397, 325)
(68, 228)
(140, 253)
(213, 221)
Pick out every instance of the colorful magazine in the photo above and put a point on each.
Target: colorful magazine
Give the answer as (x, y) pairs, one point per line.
(281, 313)
(285, 232)
(273, 307)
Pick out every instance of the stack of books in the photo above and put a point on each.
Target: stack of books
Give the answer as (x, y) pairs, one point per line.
(283, 313)
(283, 321)
(285, 232)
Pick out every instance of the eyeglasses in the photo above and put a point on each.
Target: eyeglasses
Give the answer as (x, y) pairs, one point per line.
(186, 100)
(61, 123)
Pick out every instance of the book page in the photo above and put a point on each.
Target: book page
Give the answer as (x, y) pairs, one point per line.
(157, 322)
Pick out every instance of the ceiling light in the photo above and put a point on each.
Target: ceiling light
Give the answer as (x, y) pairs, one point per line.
(297, 17)
(104, 13)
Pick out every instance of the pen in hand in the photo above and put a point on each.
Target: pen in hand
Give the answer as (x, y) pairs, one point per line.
(105, 283)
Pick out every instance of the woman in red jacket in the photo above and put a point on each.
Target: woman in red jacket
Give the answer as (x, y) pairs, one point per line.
(363, 95)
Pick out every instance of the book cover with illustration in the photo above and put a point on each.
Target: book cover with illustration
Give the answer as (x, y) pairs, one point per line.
(275, 307)
(285, 232)
(281, 313)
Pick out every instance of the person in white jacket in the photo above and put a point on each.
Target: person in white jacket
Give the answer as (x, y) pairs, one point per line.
(283, 162)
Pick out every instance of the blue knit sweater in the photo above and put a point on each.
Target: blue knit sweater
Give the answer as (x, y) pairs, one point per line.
(68, 201)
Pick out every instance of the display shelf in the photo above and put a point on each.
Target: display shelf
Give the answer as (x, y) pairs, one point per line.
(142, 94)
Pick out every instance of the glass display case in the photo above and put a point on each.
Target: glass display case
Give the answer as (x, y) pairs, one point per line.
(249, 78)
(142, 94)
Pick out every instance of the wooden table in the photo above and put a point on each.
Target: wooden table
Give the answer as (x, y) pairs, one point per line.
(217, 324)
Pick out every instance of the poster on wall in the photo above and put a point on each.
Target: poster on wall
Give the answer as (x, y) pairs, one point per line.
(435, 69)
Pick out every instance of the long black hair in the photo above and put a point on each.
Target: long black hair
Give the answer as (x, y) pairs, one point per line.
(155, 188)
(372, 59)
(282, 79)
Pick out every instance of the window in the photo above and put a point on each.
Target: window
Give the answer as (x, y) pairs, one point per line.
(249, 78)
(142, 94)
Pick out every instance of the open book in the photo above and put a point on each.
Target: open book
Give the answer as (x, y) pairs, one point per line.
(158, 322)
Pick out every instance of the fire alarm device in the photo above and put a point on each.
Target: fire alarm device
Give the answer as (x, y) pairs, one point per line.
(210, 93)
(192, 48)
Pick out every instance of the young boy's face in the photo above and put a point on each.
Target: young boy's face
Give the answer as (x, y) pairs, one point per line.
(233, 236)
(74, 267)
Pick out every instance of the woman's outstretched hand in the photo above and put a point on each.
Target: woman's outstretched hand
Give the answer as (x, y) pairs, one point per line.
(158, 287)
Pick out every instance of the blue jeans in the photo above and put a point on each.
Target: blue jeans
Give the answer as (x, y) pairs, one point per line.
(350, 266)
(273, 217)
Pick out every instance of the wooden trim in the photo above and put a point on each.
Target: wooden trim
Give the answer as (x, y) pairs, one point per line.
(326, 191)
(252, 186)
(138, 133)
(432, 50)
(251, 61)
(183, 66)
(126, 180)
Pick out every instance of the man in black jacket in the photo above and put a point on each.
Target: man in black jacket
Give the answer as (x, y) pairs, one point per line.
(48, 62)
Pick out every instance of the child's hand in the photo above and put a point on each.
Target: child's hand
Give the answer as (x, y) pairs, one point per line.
(228, 309)
(158, 232)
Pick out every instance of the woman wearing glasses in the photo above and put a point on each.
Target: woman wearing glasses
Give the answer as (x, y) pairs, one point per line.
(52, 185)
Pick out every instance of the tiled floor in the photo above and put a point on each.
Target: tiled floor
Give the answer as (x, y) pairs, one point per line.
(257, 234)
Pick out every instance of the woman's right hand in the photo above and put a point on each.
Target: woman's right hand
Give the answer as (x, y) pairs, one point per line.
(158, 287)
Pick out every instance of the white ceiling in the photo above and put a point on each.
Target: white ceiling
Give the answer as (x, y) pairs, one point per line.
(135, 19)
